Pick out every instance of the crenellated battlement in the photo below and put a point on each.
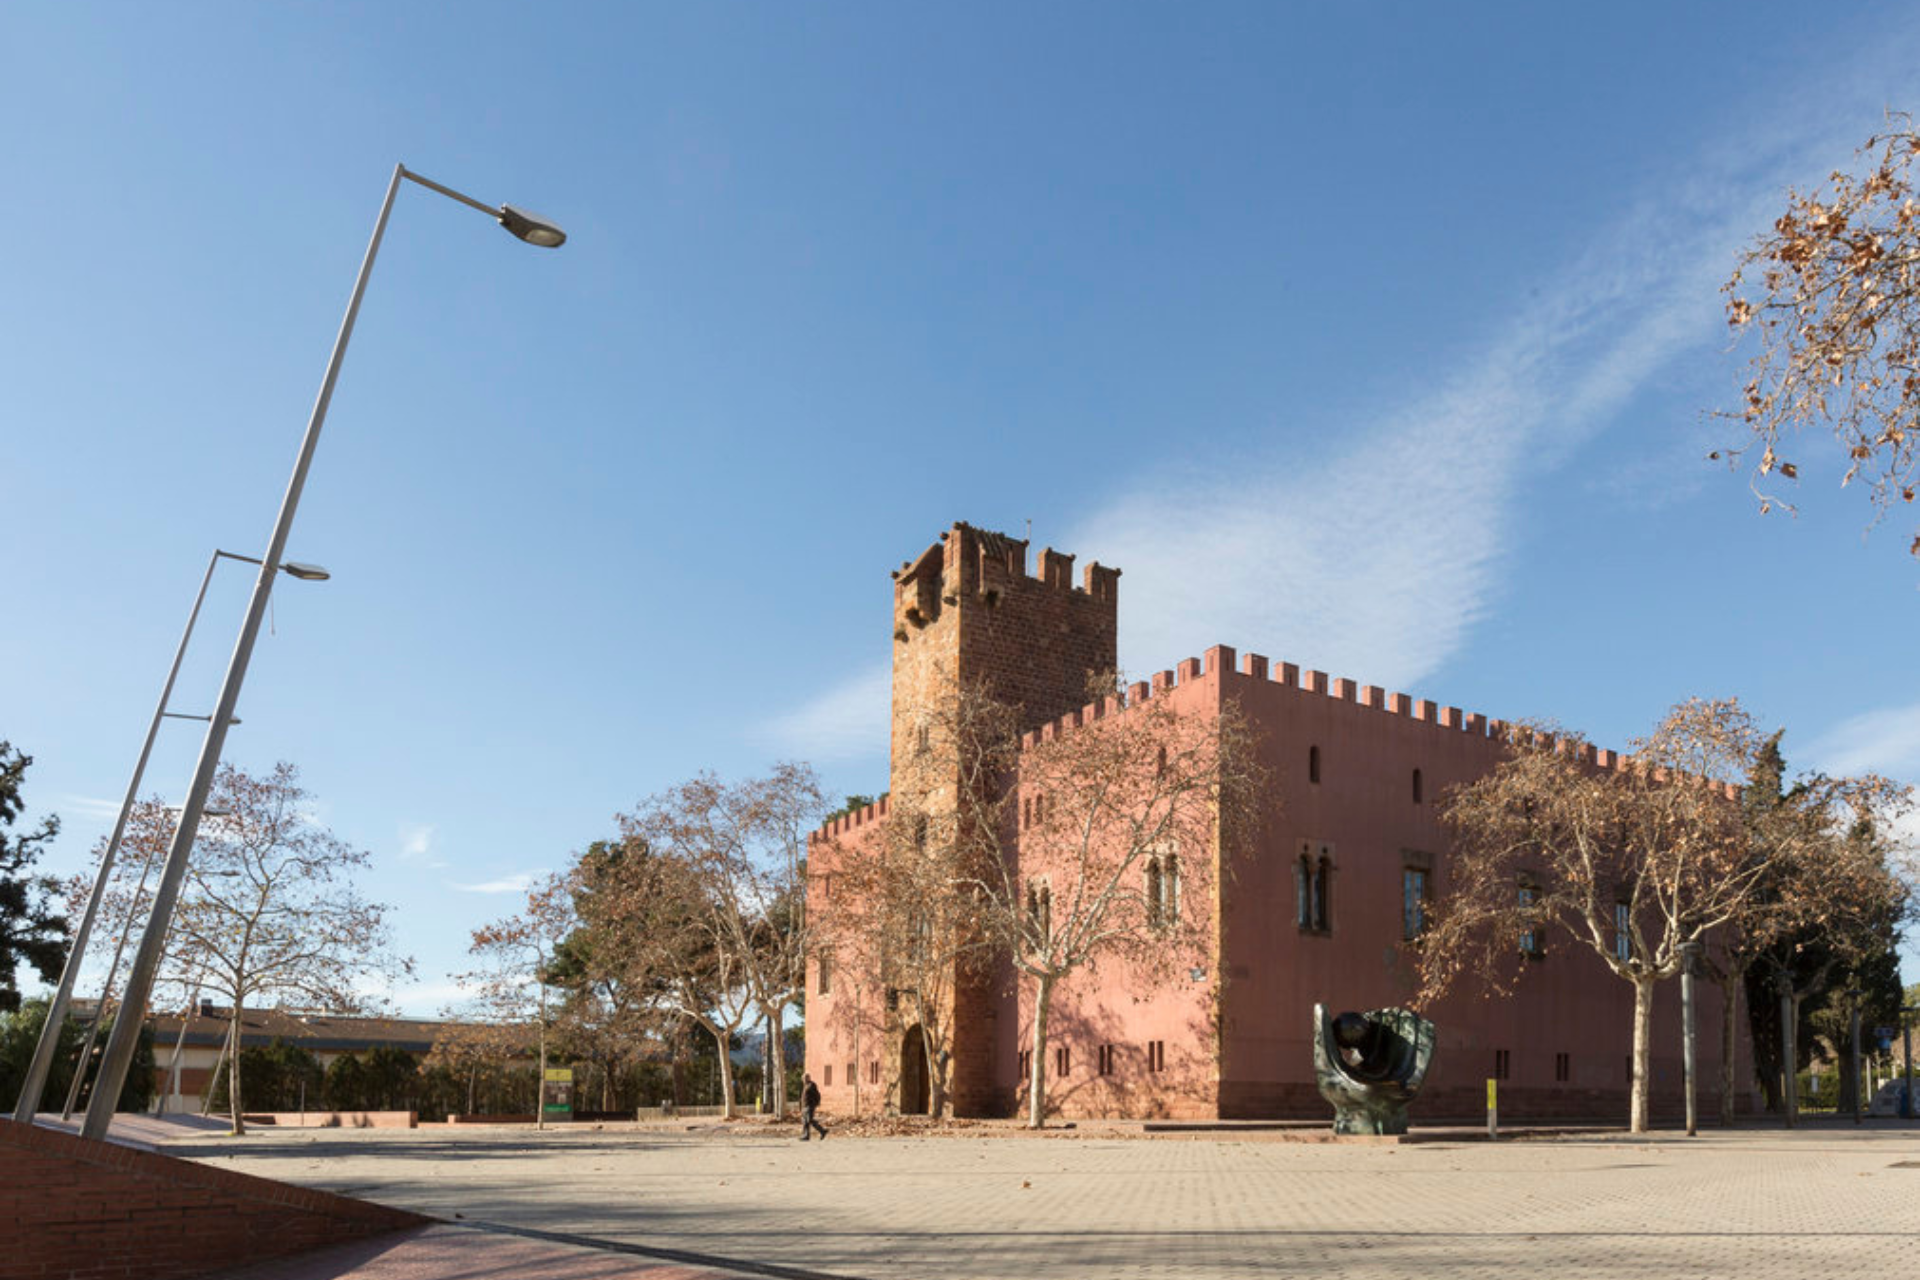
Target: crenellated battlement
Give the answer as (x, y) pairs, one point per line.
(1222, 660)
(848, 823)
(969, 562)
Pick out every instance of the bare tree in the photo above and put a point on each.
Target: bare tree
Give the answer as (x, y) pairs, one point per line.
(515, 985)
(1833, 294)
(268, 911)
(731, 860)
(1641, 862)
(1102, 842)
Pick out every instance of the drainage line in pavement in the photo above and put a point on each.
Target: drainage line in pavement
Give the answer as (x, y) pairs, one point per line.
(647, 1251)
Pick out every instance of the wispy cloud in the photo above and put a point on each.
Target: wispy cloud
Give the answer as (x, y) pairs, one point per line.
(519, 882)
(848, 720)
(86, 809)
(416, 845)
(1884, 741)
(1376, 557)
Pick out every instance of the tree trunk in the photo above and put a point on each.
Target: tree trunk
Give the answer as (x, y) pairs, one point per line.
(473, 1075)
(725, 1064)
(777, 1037)
(1730, 987)
(936, 1070)
(233, 1073)
(1642, 1052)
(540, 1078)
(1037, 1068)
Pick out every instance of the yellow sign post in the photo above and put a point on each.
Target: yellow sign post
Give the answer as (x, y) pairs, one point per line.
(1493, 1109)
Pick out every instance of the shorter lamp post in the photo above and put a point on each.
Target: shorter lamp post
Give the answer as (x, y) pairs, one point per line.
(43, 1053)
(1853, 1028)
(1907, 1016)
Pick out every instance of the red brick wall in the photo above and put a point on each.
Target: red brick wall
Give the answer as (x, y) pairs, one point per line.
(74, 1208)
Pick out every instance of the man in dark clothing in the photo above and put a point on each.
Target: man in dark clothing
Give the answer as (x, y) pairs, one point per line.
(809, 1103)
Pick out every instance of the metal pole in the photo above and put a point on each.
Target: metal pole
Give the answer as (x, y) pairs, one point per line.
(1854, 1028)
(1686, 1044)
(179, 1047)
(1906, 1047)
(43, 1053)
(146, 961)
(1788, 1085)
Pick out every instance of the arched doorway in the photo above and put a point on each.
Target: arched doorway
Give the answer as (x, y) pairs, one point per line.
(913, 1073)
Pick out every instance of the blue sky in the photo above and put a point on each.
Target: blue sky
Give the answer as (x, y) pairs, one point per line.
(1373, 337)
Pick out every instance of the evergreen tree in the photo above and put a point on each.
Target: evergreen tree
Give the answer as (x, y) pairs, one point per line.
(31, 930)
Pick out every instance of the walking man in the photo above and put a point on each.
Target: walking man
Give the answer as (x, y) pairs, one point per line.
(809, 1103)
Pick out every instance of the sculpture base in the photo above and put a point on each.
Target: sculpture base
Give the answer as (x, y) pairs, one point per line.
(1371, 1121)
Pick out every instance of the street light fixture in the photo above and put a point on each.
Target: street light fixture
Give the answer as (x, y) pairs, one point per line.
(146, 961)
(43, 1054)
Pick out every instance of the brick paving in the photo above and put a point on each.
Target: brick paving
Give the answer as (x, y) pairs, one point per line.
(1750, 1203)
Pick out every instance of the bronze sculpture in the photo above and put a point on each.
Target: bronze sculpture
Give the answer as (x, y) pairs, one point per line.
(1370, 1066)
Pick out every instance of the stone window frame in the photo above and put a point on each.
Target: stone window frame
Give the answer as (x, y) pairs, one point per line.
(1526, 894)
(1622, 930)
(1163, 888)
(1415, 862)
(1313, 875)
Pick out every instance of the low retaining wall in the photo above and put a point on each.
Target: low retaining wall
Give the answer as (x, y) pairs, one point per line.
(336, 1119)
(87, 1210)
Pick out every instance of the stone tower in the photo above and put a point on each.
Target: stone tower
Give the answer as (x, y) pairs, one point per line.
(967, 613)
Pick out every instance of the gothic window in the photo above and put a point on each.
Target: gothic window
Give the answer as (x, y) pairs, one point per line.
(1313, 887)
(1163, 890)
(826, 973)
(1154, 917)
(923, 738)
(1622, 932)
(1039, 912)
(920, 833)
(1413, 902)
(1527, 897)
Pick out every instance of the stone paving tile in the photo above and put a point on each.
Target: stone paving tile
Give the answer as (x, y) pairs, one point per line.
(1749, 1203)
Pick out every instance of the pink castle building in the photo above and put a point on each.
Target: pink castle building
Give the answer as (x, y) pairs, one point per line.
(1320, 909)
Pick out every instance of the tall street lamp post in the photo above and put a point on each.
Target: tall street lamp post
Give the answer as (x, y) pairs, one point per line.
(126, 1028)
(43, 1054)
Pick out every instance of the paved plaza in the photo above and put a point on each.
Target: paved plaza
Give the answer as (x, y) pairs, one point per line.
(1749, 1203)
